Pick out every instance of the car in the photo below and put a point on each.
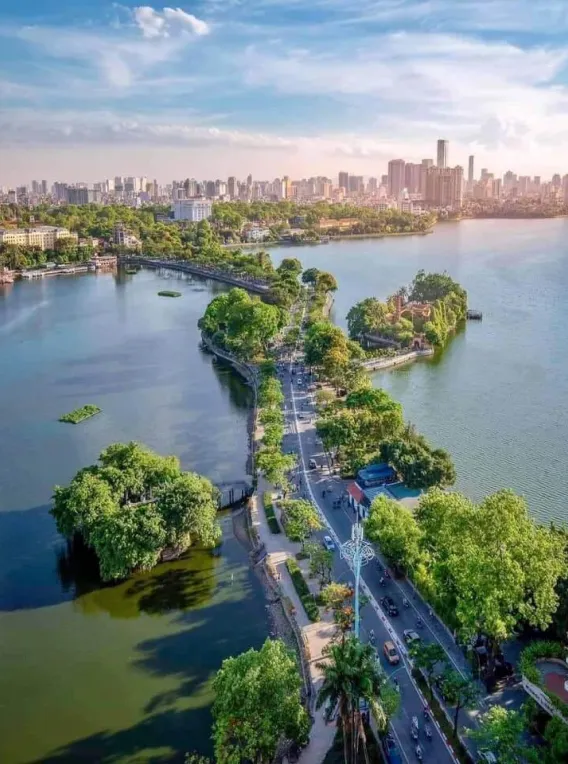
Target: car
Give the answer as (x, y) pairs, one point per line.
(328, 543)
(391, 653)
(389, 605)
(312, 464)
(301, 416)
(411, 637)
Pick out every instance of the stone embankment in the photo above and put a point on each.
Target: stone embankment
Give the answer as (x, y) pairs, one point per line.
(374, 364)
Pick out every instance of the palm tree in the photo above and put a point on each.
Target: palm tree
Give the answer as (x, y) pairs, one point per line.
(352, 673)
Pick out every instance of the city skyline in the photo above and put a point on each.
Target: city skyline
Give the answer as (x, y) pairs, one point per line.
(270, 86)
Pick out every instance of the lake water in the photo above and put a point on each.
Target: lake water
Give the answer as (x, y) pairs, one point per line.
(497, 396)
(119, 673)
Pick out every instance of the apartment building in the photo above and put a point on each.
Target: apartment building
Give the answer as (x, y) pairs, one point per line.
(43, 236)
(193, 210)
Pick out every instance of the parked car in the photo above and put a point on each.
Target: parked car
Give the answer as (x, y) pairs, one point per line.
(411, 637)
(328, 543)
(312, 464)
(389, 605)
(391, 653)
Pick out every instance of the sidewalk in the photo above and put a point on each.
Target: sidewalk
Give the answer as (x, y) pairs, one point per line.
(315, 635)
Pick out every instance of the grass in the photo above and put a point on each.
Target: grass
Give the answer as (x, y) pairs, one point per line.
(169, 293)
(74, 417)
(438, 713)
(306, 597)
(269, 512)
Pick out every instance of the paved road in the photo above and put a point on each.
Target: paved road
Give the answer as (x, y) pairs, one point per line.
(302, 438)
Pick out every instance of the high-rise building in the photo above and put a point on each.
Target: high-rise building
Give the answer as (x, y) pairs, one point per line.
(556, 180)
(192, 209)
(384, 180)
(232, 187)
(412, 177)
(396, 176)
(344, 180)
(444, 186)
(210, 188)
(356, 184)
(286, 187)
(372, 186)
(249, 181)
(442, 153)
(470, 169)
(60, 192)
(83, 196)
(565, 188)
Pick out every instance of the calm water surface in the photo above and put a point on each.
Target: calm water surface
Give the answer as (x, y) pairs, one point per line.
(120, 673)
(497, 397)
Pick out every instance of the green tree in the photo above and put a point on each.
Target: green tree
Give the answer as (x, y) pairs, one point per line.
(300, 519)
(493, 567)
(257, 702)
(460, 692)
(130, 538)
(77, 507)
(321, 563)
(275, 465)
(419, 465)
(351, 673)
(270, 393)
(366, 317)
(427, 656)
(189, 508)
(556, 735)
(501, 731)
(310, 276)
(338, 598)
(394, 527)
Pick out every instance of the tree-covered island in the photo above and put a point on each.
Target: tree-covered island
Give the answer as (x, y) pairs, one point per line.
(78, 415)
(425, 313)
(133, 506)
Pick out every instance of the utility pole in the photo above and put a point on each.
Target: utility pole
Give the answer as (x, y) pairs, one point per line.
(357, 552)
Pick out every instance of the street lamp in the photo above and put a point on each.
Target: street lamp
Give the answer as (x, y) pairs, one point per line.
(357, 552)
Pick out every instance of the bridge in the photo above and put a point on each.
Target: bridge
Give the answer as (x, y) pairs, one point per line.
(250, 283)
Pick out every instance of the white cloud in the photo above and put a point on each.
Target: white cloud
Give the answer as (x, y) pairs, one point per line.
(170, 21)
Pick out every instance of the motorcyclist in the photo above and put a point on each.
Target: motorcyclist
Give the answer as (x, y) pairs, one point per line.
(428, 731)
(372, 636)
(418, 751)
(405, 602)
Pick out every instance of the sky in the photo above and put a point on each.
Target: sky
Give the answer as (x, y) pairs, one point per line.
(91, 89)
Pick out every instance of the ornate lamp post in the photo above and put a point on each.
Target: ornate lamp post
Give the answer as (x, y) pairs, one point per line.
(357, 552)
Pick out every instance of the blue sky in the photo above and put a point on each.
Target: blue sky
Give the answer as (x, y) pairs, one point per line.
(217, 87)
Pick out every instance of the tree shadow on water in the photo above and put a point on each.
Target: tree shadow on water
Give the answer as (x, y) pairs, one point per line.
(160, 739)
(177, 588)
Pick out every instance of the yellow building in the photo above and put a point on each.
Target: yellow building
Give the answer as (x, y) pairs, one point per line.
(43, 236)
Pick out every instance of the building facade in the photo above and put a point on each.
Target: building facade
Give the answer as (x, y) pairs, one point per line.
(444, 186)
(396, 176)
(43, 237)
(192, 210)
(442, 153)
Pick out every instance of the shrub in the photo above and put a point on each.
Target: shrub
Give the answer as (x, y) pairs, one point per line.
(535, 651)
(302, 589)
(269, 512)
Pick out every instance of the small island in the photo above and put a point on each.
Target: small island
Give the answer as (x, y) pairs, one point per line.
(135, 508)
(169, 293)
(422, 315)
(85, 412)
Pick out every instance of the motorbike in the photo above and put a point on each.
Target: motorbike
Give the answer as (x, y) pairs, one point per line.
(405, 602)
(428, 731)
(418, 752)
(372, 638)
(419, 622)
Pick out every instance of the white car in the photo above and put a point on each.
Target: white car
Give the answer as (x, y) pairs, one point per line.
(328, 543)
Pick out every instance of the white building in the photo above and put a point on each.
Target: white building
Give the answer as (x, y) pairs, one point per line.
(193, 210)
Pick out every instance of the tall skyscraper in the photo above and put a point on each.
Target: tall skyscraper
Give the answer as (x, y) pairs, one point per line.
(232, 187)
(396, 176)
(344, 180)
(444, 186)
(412, 177)
(470, 169)
(442, 153)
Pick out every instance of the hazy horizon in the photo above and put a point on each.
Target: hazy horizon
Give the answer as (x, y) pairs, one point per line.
(215, 88)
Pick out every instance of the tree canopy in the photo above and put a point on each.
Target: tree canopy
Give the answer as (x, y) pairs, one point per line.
(257, 702)
(242, 324)
(394, 527)
(132, 505)
(418, 464)
(490, 566)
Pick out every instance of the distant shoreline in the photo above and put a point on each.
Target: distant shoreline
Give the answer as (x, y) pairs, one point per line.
(331, 239)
